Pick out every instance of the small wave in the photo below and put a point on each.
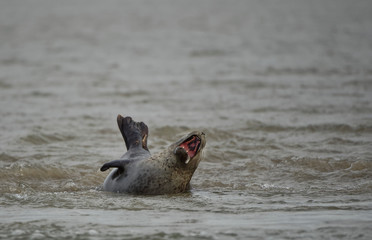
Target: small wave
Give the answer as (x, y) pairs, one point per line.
(208, 53)
(48, 230)
(218, 136)
(342, 141)
(127, 94)
(41, 94)
(21, 176)
(305, 71)
(363, 83)
(343, 128)
(170, 131)
(38, 138)
(244, 84)
(7, 158)
(265, 109)
(5, 85)
(325, 165)
(252, 125)
(35, 171)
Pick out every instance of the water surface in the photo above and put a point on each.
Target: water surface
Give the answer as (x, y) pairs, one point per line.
(282, 90)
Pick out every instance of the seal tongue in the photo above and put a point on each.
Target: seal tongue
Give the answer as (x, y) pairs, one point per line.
(191, 146)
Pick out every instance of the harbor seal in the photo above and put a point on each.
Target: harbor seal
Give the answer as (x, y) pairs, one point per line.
(167, 172)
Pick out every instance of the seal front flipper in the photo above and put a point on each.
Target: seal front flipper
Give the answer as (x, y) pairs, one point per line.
(120, 164)
(134, 133)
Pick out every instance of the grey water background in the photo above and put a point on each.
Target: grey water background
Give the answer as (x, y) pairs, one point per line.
(282, 89)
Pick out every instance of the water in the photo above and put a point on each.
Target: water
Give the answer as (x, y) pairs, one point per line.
(282, 90)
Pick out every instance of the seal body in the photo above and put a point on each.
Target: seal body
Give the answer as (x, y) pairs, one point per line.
(169, 171)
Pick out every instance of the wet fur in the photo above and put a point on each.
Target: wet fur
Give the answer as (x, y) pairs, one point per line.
(140, 173)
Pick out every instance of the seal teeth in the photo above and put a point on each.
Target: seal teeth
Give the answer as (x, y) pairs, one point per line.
(188, 159)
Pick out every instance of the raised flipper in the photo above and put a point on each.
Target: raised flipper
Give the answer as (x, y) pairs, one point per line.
(134, 133)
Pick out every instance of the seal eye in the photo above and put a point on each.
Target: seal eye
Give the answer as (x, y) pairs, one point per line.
(191, 146)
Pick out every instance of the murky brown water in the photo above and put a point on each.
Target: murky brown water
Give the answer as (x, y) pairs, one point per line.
(283, 90)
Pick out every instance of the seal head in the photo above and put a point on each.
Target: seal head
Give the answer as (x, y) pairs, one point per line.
(189, 148)
(169, 171)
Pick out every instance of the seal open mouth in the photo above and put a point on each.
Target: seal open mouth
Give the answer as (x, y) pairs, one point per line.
(191, 146)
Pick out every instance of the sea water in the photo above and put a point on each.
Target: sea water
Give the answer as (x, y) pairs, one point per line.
(282, 89)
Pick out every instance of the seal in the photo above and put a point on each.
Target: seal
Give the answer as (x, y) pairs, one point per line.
(166, 172)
